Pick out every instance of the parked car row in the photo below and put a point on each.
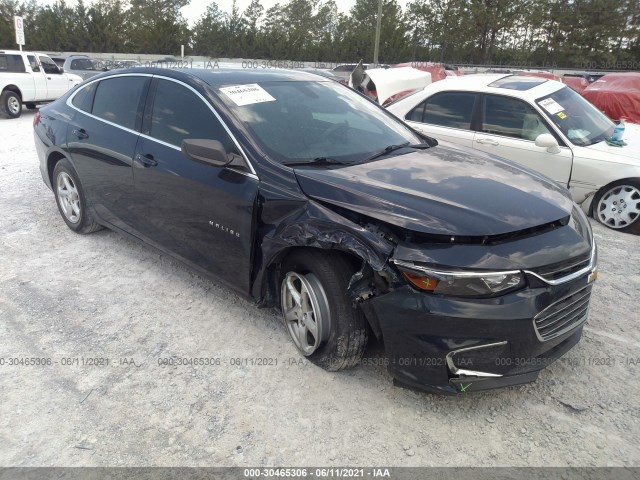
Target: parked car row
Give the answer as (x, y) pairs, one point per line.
(303, 195)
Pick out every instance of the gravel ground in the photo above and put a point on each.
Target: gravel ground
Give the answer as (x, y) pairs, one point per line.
(66, 297)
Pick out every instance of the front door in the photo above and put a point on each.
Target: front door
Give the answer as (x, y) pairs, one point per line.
(509, 128)
(57, 83)
(199, 212)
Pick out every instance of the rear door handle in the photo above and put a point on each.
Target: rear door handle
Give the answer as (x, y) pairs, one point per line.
(487, 141)
(147, 160)
(81, 133)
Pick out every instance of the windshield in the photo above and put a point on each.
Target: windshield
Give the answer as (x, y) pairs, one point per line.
(314, 119)
(581, 122)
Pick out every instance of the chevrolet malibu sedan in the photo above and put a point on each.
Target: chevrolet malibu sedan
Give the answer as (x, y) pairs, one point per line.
(302, 195)
(541, 124)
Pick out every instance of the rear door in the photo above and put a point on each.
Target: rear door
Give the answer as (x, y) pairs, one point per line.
(446, 116)
(57, 83)
(102, 140)
(509, 127)
(201, 213)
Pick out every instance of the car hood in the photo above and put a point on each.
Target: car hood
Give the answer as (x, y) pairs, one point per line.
(629, 154)
(443, 190)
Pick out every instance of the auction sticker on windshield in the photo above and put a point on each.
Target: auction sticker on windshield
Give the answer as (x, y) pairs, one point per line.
(247, 94)
(551, 106)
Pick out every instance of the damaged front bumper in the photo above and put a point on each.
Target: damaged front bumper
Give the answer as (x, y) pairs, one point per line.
(455, 345)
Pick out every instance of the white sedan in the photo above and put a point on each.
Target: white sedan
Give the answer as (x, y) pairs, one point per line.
(543, 125)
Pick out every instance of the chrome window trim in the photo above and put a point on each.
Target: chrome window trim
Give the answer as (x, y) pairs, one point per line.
(559, 281)
(69, 103)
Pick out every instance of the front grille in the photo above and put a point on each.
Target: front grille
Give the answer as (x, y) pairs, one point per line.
(563, 315)
(562, 269)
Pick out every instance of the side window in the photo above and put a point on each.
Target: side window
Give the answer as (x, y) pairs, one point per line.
(180, 114)
(84, 98)
(48, 65)
(450, 109)
(12, 63)
(118, 99)
(32, 61)
(511, 117)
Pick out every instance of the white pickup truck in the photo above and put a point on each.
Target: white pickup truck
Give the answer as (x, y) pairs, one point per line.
(29, 79)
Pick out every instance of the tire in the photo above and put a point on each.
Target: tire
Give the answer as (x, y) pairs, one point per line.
(10, 104)
(30, 106)
(322, 278)
(617, 206)
(71, 199)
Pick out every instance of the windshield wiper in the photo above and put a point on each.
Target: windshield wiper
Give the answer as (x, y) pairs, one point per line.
(316, 161)
(392, 148)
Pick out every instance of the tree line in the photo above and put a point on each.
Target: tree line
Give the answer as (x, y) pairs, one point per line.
(602, 34)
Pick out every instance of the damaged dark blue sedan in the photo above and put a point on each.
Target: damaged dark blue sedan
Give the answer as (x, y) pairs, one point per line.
(303, 195)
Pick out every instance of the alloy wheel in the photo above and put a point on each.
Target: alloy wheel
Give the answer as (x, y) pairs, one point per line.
(68, 197)
(14, 105)
(305, 310)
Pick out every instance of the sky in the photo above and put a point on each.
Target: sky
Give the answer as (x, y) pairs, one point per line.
(196, 8)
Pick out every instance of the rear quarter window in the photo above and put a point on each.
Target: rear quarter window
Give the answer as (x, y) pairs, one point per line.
(84, 98)
(11, 63)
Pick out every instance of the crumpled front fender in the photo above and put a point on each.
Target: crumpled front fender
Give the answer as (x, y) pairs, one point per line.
(308, 223)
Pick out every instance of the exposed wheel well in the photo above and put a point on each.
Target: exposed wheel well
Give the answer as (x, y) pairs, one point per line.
(54, 158)
(14, 89)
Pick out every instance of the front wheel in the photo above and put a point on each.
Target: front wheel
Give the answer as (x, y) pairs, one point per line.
(317, 311)
(71, 199)
(617, 206)
(10, 104)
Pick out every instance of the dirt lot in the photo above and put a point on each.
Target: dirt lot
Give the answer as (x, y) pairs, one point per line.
(67, 297)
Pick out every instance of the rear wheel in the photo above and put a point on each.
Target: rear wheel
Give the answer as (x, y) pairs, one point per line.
(617, 206)
(71, 199)
(10, 104)
(317, 311)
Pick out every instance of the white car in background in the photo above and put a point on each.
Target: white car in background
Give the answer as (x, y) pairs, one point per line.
(543, 125)
(30, 79)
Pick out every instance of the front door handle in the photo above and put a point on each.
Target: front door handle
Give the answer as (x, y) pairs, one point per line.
(147, 160)
(487, 141)
(81, 133)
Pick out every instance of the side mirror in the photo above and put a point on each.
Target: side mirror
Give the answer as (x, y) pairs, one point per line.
(548, 141)
(210, 152)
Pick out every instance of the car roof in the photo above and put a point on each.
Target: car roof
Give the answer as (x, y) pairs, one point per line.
(216, 77)
(499, 83)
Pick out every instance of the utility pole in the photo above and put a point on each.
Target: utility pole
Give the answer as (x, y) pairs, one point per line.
(376, 48)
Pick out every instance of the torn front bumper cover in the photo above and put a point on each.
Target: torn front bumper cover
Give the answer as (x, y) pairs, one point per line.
(454, 345)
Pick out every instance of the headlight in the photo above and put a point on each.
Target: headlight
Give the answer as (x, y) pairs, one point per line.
(460, 283)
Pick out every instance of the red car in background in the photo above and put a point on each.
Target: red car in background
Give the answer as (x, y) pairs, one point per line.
(617, 95)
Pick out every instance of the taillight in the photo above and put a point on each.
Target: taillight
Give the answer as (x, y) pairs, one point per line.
(36, 119)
